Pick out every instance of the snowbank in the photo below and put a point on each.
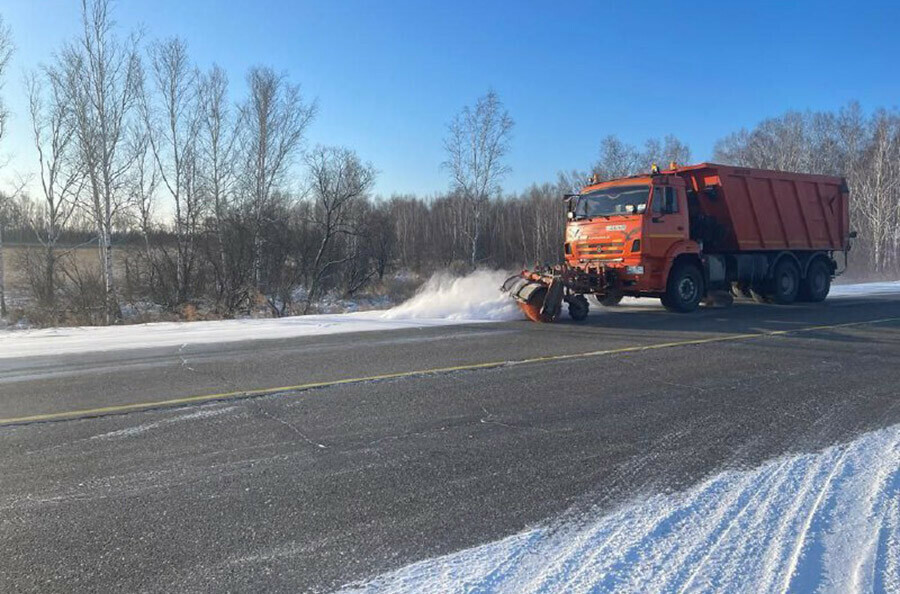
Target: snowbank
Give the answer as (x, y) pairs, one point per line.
(817, 522)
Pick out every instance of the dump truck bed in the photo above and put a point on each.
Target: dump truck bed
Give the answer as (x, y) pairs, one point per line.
(758, 209)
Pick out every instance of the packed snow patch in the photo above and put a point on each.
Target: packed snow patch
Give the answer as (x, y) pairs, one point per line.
(828, 521)
(865, 289)
(476, 296)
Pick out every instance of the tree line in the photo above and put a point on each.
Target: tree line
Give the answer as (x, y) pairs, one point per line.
(193, 199)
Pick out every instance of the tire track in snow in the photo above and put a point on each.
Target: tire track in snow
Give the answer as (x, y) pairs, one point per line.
(828, 521)
(693, 563)
(829, 469)
(888, 579)
(732, 561)
(864, 529)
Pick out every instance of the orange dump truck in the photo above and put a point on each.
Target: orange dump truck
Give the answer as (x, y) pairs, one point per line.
(690, 234)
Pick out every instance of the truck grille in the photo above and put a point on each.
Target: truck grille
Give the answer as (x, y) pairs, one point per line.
(587, 249)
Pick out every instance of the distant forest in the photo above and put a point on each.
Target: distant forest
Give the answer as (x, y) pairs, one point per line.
(183, 194)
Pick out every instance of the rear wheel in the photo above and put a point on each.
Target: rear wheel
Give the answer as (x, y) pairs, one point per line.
(786, 282)
(578, 307)
(684, 289)
(815, 287)
(609, 300)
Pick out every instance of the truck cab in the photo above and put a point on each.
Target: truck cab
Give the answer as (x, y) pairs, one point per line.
(632, 229)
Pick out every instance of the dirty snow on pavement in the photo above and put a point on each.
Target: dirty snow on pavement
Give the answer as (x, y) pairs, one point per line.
(826, 521)
(443, 300)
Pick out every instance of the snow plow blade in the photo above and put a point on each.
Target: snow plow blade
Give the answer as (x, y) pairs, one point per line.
(539, 300)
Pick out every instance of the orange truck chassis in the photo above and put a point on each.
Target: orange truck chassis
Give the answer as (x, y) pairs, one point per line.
(700, 233)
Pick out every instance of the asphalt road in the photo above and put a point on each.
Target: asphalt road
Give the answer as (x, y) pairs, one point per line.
(311, 489)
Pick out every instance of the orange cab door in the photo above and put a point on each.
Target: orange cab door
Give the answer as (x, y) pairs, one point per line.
(666, 225)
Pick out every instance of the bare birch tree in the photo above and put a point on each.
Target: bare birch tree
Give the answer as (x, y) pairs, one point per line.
(6, 49)
(274, 121)
(218, 148)
(877, 193)
(60, 173)
(142, 183)
(338, 179)
(101, 75)
(476, 144)
(617, 159)
(171, 112)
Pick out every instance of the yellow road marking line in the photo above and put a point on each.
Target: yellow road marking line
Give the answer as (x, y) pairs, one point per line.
(121, 408)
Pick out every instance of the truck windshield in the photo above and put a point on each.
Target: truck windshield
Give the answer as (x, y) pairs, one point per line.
(612, 201)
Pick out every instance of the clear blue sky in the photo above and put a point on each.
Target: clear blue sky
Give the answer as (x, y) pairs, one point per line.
(389, 75)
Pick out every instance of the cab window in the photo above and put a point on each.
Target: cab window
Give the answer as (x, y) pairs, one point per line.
(665, 200)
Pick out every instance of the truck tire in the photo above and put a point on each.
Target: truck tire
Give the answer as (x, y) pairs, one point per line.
(578, 307)
(684, 290)
(815, 287)
(785, 282)
(609, 300)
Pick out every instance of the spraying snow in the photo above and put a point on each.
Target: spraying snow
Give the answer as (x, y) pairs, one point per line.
(475, 297)
(826, 522)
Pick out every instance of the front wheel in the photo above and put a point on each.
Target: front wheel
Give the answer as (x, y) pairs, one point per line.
(578, 307)
(609, 300)
(684, 289)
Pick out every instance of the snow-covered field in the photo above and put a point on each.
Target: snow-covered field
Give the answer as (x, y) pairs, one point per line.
(828, 521)
(443, 300)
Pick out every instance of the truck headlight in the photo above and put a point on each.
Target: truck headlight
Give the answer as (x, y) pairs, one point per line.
(634, 270)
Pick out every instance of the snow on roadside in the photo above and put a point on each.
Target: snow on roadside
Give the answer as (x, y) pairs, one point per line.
(85, 339)
(828, 521)
(865, 289)
(443, 300)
